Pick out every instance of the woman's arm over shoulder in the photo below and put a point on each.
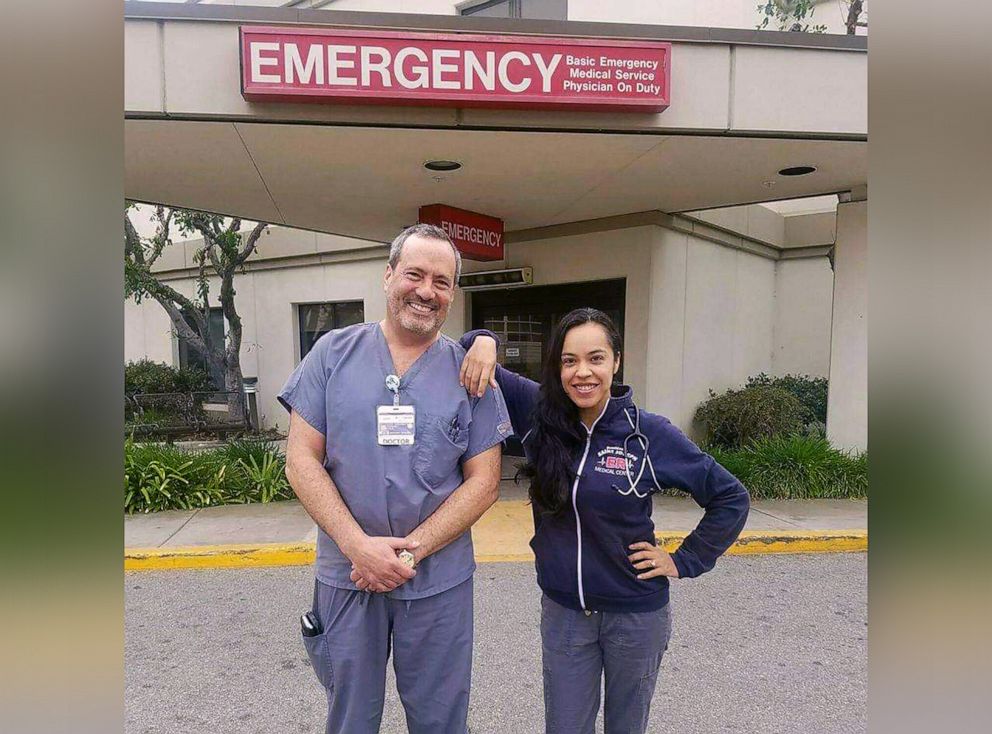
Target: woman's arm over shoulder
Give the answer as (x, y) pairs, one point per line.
(480, 370)
(679, 463)
(521, 395)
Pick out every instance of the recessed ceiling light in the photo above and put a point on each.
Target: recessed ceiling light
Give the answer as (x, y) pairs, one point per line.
(442, 165)
(797, 171)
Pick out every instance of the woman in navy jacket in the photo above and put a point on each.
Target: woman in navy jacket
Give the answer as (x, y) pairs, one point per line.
(594, 460)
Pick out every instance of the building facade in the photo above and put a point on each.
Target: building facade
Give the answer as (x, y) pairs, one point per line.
(681, 224)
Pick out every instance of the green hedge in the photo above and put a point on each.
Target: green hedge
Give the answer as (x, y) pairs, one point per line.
(811, 391)
(146, 376)
(738, 417)
(164, 477)
(796, 467)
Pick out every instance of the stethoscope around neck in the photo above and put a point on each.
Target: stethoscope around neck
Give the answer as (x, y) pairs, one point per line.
(635, 425)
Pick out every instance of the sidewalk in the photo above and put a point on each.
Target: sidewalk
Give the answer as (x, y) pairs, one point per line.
(281, 533)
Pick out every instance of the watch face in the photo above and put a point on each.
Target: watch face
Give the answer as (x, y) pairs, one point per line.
(407, 558)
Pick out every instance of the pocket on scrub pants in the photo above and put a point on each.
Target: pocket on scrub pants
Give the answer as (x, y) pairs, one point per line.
(320, 658)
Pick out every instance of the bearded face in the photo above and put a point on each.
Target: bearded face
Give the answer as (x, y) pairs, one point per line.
(420, 289)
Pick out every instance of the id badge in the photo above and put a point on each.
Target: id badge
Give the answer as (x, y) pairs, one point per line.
(396, 425)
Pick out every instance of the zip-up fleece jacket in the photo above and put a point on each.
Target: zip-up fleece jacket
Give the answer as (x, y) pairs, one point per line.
(582, 553)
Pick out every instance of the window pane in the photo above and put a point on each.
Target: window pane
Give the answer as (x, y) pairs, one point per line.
(316, 319)
(189, 356)
(546, 9)
(349, 313)
(498, 9)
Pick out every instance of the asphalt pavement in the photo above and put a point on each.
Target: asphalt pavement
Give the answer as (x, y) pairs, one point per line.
(760, 644)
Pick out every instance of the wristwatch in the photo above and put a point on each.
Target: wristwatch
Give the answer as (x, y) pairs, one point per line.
(407, 558)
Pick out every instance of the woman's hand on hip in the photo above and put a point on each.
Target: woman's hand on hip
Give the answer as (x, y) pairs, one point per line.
(479, 366)
(652, 561)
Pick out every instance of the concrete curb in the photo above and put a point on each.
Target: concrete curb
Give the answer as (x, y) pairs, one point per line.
(754, 542)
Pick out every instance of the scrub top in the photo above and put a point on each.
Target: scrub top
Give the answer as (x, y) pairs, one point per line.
(390, 490)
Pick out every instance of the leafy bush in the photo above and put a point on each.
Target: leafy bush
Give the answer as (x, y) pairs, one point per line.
(796, 467)
(164, 477)
(811, 391)
(740, 416)
(146, 376)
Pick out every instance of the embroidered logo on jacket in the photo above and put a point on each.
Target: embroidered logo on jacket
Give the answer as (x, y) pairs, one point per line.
(611, 460)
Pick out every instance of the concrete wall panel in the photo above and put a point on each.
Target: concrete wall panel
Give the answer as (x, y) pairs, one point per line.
(811, 229)
(826, 91)
(754, 315)
(143, 91)
(803, 303)
(847, 405)
(710, 321)
(666, 336)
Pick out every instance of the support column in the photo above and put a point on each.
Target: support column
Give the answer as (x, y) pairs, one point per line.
(847, 402)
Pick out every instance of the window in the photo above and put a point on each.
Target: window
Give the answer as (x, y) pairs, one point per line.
(316, 319)
(190, 356)
(544, 9)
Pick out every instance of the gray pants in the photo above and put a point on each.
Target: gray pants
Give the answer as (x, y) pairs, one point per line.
(431, 643)
(578, 648)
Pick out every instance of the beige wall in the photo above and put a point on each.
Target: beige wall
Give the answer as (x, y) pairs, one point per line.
(184, 67)
(699, 315)
(803, 302)
(711, 311)
(147, 332)
(847, 403)
(705, 13)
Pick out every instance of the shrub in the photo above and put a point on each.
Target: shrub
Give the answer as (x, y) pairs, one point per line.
(740, 416)
(796, 467)
(164, 477)
(146, 376)
(811, 391)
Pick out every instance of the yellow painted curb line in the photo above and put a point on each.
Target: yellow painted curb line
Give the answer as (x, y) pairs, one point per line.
(750, 542)
(219, 556)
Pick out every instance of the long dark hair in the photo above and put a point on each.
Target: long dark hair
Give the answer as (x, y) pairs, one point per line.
(557, 435)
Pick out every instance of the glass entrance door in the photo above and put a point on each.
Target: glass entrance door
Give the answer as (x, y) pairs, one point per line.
(525, 317)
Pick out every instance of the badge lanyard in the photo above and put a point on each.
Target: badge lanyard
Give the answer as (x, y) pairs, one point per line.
(395, 424)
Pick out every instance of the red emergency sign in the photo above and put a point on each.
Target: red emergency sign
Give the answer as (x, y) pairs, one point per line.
(453, 69)
(477, 236)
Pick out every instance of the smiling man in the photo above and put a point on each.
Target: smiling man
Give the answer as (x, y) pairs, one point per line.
(394, 462)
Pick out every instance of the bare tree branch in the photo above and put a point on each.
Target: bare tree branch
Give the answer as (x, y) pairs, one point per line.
(250, 242)
(133, 247)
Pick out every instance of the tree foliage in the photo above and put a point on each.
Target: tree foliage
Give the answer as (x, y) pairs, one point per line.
(797, 16)
(789, 15)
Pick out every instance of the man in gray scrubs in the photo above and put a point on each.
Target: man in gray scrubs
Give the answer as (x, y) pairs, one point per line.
(395, 462)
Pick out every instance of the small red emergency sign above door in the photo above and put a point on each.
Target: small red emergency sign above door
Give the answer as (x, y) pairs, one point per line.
(453, 69)
(477, 236)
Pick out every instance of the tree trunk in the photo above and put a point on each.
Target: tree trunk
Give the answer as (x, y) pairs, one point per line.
(235, 385)
(853, 14)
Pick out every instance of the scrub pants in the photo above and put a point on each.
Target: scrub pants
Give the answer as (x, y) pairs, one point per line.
(578, 648)
(431, 641)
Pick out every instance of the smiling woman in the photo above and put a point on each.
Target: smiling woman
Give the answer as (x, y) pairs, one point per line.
(594, 459)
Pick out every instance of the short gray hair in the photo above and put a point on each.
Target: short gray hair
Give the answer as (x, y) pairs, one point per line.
(427, 231)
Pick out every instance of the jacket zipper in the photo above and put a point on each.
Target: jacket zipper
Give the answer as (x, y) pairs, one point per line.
(575, 506)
